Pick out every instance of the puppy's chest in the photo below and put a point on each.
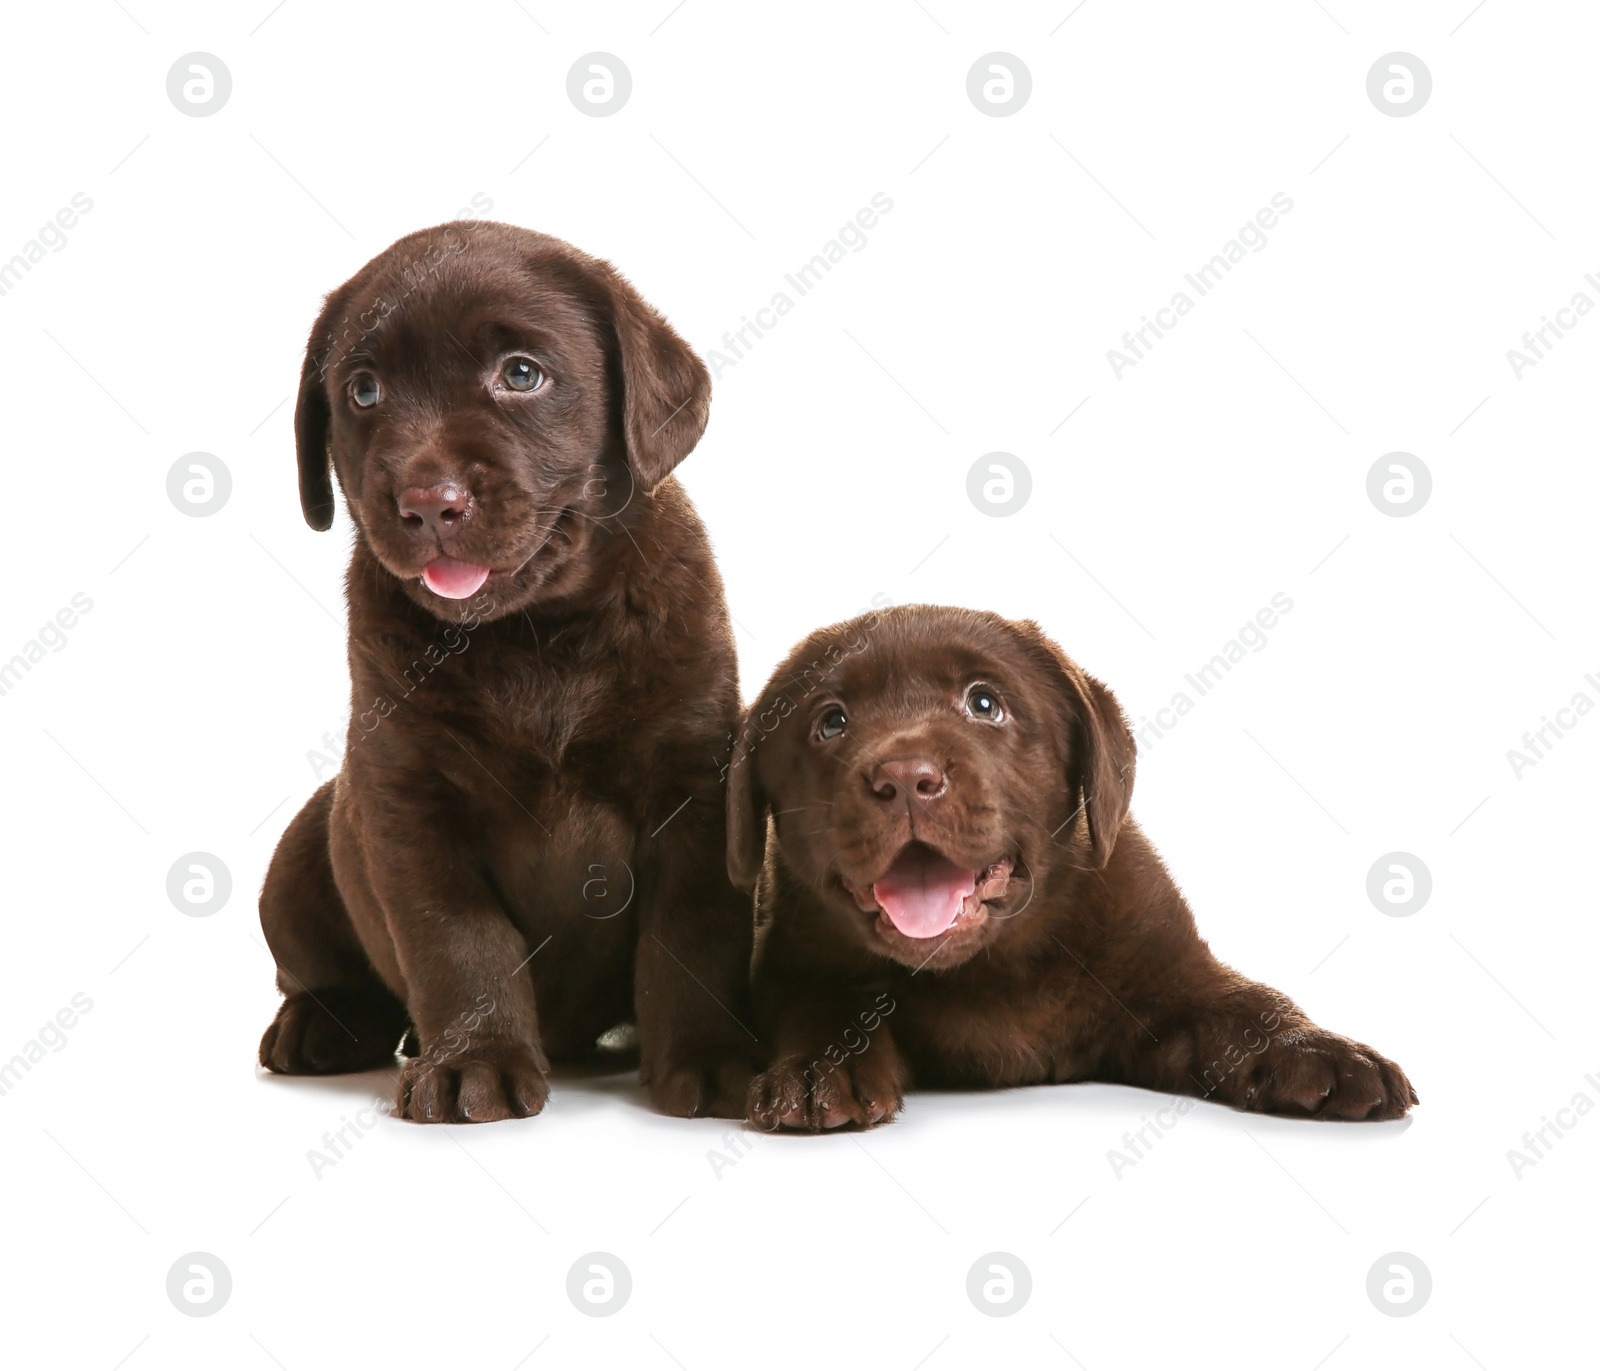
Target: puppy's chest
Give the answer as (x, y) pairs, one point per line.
(546, 715)
(992, 1032)
(557, 707)
(579, 862)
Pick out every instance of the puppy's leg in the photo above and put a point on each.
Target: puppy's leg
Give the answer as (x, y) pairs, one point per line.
(477, 1052)
(337, 1014)
(1249, 1046)
(436, 929)
(835, 1062)
(692, 972)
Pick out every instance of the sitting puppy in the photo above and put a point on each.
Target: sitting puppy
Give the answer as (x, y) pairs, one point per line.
(951, 893)
(524, 847)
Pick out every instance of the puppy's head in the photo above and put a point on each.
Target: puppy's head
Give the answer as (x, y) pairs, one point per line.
(926, 770)
(489, 397)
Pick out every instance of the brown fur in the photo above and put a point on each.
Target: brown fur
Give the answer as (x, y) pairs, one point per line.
(1082, 961)
(525, 844)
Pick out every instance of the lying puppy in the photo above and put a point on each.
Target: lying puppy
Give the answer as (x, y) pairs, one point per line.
(951, 893)
(525, 844)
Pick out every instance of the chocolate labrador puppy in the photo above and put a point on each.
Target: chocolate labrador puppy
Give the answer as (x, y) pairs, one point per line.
(524, 846)
(950, 893)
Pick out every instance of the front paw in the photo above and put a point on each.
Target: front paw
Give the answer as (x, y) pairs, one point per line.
(860, 1092)
(1311, 1072)
(712, 1085)
(491, 1081)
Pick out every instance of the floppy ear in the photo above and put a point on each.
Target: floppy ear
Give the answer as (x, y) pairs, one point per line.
(1105, 758)
(1103, 753)
(311, 417)
(747, 820)
(666, 390)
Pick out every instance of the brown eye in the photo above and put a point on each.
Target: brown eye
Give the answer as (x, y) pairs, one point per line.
(983, 703)
(831, 724)
(364, 391)
(521, 374)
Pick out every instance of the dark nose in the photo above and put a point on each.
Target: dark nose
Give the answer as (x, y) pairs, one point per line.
(908, 777)
(439, 509)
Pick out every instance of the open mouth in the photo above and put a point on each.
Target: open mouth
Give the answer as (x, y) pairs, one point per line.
(454, 579)
(925, 895)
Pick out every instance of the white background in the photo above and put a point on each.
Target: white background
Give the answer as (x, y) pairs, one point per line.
(1228, 465)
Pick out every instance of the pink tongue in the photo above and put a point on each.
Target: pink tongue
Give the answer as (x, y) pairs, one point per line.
(922, 892)
(452, 579)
